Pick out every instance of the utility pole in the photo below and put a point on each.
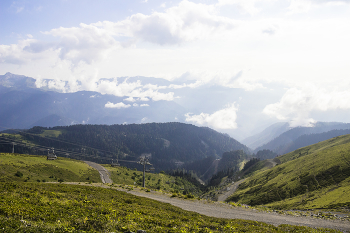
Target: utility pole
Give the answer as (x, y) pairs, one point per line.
(144, 161)
(13, 147)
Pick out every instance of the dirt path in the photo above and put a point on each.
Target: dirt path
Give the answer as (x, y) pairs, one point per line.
(103, 172)
(224, 210)
(231, 189)
(270, 163)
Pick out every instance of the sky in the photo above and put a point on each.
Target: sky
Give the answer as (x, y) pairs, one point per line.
(236, 65)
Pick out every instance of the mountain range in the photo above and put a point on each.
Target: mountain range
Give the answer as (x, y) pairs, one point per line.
(297, 137)
(22, 105)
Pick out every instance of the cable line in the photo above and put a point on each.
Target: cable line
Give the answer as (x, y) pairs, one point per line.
(58, 151)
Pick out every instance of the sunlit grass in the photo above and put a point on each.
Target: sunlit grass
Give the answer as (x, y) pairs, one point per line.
(39, 207)
(159, 181)
(316, 176)
(39, 169)
(51, 133)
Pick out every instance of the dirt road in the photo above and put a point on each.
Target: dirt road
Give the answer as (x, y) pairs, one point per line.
(223, 210)
(103, 172)
(232, 189)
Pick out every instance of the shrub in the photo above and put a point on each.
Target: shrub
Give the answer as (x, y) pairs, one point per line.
(19, 174)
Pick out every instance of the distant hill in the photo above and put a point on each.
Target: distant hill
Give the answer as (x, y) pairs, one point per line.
(316, 176)
(289, 140)
(16, 82)
(169, 145)
(266, 135)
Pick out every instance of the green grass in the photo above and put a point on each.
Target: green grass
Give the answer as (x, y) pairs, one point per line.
(328, 144)
(43, 207)
(19, 138)
(123, 175)
(313, 177)
(30, 168)
(51, 133)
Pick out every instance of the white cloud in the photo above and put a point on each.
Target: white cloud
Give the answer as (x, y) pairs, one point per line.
(117, 105)
(135, 105)
(186, 22)
(143, 99)
(247, 6)
(271, 30)
(84, 44)
(222, 119)
(18, 53)
(130, 99)
(303, 6)
(144, 105)
(131, 89)
(297, 104)
(59, 85)
(220, 78)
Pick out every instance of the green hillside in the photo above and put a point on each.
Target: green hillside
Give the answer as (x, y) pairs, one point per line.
(31, 168)
(159, 181)
(43, 207)
(317, 176)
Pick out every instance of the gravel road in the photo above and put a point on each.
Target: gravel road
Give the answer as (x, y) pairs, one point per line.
(223, 210)
(103, 172)
(232, 189)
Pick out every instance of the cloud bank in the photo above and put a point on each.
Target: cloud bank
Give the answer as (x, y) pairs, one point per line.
(296, 105)
(222, 119)
(117, 105)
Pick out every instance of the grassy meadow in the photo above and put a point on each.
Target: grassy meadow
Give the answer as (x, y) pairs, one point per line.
(30, 168)
(47, 207)
(51, 133)
(159, 181)
(313, 177)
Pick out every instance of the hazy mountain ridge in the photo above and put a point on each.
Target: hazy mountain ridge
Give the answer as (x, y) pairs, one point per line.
(16, 82)
(285, 142)
(25, 109)
(266, 135)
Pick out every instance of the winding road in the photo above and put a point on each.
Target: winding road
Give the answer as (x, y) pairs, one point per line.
(224, 210)
(232, 189)
(104, 174)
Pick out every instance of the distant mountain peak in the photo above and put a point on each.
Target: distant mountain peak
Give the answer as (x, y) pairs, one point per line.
(17, 82)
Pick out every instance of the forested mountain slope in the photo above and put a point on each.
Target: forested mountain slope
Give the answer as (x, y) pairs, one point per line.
(169, 145)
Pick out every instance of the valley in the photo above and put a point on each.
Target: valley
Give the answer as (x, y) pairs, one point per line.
(240, 185)
(174, 116)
